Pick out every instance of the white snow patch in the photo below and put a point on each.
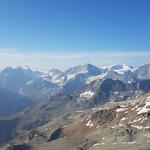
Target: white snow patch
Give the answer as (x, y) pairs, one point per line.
(121, 109)
(123, 119)
(128, 142)
(124, 68)
(89, 124)
(116, 93)
(148, 127)
(64, 126)
(135, 107)
(103, 138)
(126, 112)
(87, 94)
(97, 127)
(143, 120)
(97, 144)
(136, 120)
(123, 106)
(137, 126)
(121, 125)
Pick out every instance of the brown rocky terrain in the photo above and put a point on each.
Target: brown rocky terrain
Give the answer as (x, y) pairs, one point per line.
(117, 124)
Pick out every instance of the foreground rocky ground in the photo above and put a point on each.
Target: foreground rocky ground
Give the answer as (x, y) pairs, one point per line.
(116, 125)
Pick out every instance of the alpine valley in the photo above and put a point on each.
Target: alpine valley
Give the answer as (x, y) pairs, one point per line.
(83, 108)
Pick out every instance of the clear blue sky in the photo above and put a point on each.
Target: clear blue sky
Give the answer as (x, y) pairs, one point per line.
(78, 31)
(75, 25)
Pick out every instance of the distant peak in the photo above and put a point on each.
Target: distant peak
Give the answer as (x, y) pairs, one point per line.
(84, 68)
(17, 68)
(55, 71)
(121, 67)
(87, 64)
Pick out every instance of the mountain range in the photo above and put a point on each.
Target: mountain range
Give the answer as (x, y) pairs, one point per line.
(40, 86)
(59, 106)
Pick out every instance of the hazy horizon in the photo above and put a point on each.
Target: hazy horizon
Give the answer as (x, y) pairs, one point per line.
(44, 61)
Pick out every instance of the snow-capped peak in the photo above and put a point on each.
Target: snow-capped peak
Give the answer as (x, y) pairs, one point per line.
(54, 72)
(126, 68)
(122, 67)
(85, 68)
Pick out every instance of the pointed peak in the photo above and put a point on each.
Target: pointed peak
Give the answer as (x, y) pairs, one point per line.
(84, 68)
(55, 71)
(88, 65)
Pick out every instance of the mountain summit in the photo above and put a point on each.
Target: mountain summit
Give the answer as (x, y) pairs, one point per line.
(85, 68)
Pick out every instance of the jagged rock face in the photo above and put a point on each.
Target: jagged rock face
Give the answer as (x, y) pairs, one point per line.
(109, 88)
(106, 90)
(143, 72)
(128, 133)
(102, 91)
(103, 116)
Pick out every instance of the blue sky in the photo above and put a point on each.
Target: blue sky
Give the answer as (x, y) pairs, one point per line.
(74, 27)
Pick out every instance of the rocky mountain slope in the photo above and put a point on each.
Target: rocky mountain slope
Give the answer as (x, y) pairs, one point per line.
(116, 124)
(105, 90)
(37, 85)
